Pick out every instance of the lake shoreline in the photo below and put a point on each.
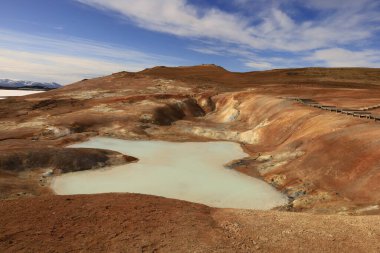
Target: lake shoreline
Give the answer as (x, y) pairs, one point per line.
(6, 93)
(190, 171)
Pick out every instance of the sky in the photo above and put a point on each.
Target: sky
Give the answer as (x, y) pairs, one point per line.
(68, 40)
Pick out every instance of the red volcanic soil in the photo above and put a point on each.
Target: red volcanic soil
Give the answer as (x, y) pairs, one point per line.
(325, 161)
(139, 223)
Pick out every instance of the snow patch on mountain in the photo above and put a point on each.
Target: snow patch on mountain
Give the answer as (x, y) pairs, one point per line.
(16, 84)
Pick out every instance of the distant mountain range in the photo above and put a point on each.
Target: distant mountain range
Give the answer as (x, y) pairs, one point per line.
(13, 84)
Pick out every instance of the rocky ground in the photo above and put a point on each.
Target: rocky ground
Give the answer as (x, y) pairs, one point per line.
(140, 223)
(327, 163)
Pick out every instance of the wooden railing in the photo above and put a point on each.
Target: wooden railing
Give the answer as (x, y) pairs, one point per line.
(360, 113)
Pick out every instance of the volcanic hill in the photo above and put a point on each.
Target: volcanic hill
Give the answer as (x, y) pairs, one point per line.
(312, 133)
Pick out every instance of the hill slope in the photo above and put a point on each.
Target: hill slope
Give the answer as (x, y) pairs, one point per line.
(311, 133)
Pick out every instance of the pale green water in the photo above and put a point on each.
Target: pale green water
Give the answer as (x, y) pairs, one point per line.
(191, 171)
(17, 93)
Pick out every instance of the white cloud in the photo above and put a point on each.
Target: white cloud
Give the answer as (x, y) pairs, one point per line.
(178, 18)
(276, 30)
(40, 58)
(223, 49)
(259, 65)
(338, 57)
(24, 65)
(336, 4)
(206, 50)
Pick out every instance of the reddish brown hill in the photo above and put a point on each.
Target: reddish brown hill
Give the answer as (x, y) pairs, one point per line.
(325, 160)
(342, 77)
(313, 155)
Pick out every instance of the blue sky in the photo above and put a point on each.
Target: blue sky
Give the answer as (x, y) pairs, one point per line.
(68, 40)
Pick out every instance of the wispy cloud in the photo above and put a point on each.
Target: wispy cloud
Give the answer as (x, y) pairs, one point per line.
(338, 57)
(16, 64)
(273, 26)
(66, 60)
(337, 4)
(276, 30)
(259, 65)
